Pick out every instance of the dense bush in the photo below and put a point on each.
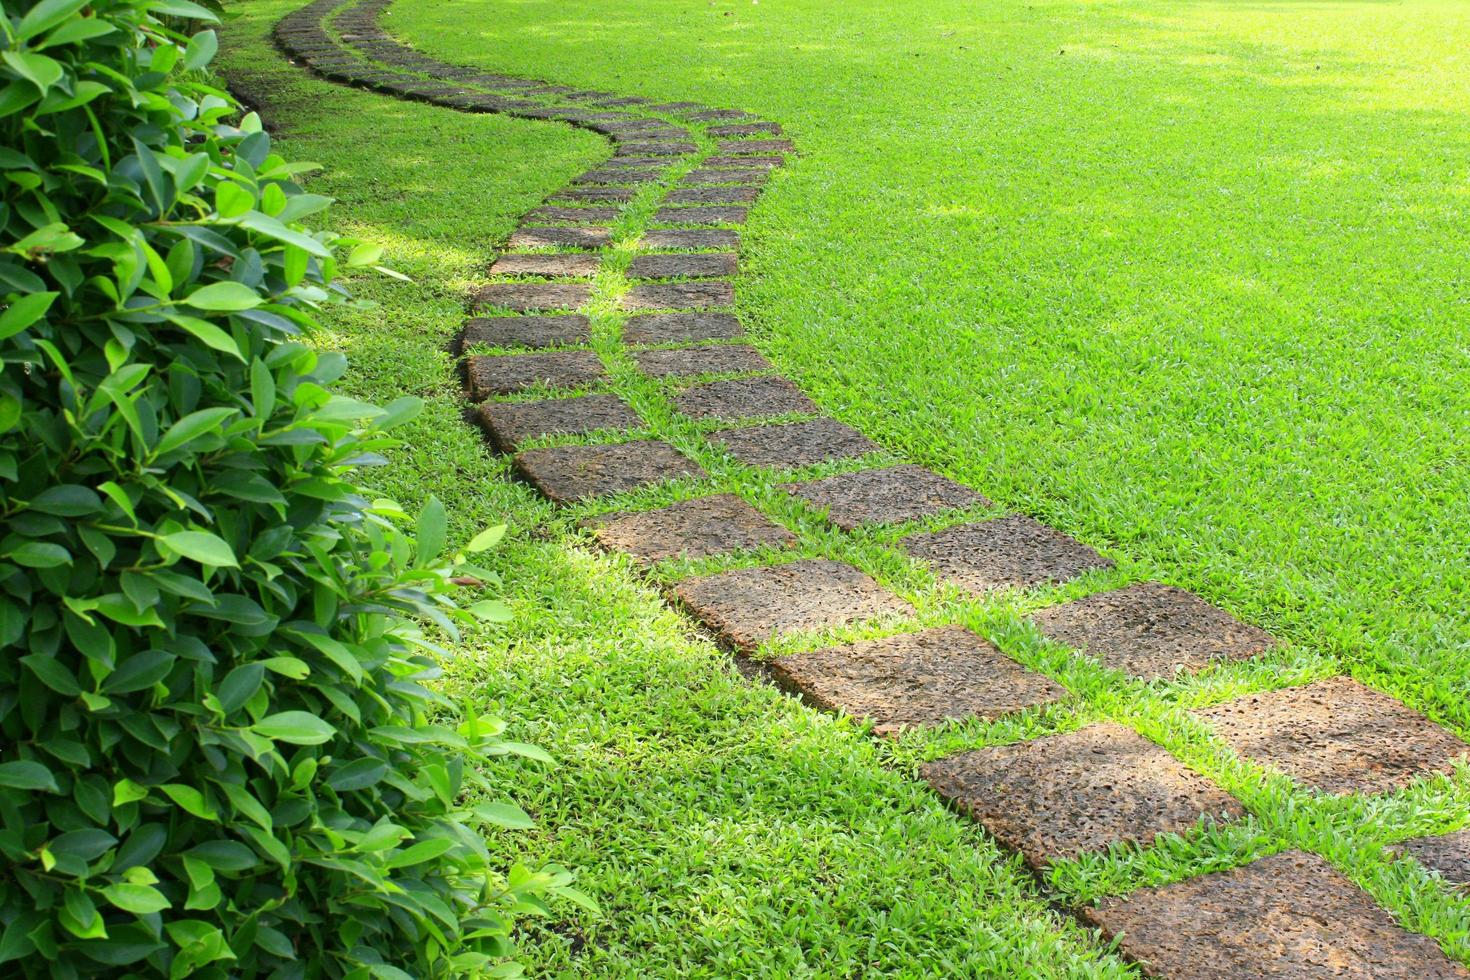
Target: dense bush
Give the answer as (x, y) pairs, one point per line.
(218, 754)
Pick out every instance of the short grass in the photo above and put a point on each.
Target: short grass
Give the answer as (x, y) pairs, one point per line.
(1114, 324)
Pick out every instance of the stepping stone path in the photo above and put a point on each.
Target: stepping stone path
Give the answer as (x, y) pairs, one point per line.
(1050, 798)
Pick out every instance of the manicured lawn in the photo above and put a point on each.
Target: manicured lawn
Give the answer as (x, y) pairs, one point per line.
(1185, 281)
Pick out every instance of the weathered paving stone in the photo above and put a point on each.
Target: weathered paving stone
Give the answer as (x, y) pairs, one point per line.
(508, 424)
(731, 160)
(678, 295)
(580, 216)
(673, 328)
(655, 149)
(683, 266)
(1152, 630)
(690, 361)
(745, 129)
(756, 146)
(713, 195)
(651, 133)
(709, 175)
(608, 175)
(715, 215)
(507, 374)
(793, 444)
(886, 496)
(1060, 796)
(569, 473)
(1448, 854)
(674, 108)
(635, 163)
(1291, 915)
(750, 605)
(717, 525)
(690, 238)
(526, 296)
(527, 331)
(618, 194)
(546, 264)
(1008, 552)
(744, 398)
(712, 115)
(560, 238)
(1336, 735)
(925, 678)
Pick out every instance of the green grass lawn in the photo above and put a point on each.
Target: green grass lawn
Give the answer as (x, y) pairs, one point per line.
(1184, 280)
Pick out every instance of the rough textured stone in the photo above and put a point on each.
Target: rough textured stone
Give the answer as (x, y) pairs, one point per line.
(695, 266)
(619, 175)
(793, 444)
(675, 108)
(655, 149)
(732, 160)
(546, 264)
(1008, 552)
(1448, 854)
(561, 238)
(525, 296)
(690, 238)
(1151, 630)
(508, 424)
(678, 295)
(924, 678)
(636, 163)
(742, 147)
(718, 215)
(618, 194)
(574, 216)
(671, 328)
(717, 525)
(1060, 796)
(710, 175)
(744, 398)
(1290, 915)
(750, 605)
(569, 473)
(507, 374)
(711, 115)
(712, 195)
(526, 331)
(886, 496)
(1336, 735)
(745, 129)
(690, 361)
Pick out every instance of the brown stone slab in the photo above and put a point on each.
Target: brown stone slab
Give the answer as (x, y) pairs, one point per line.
(711, 115)
(732, 160)
(793, 444)
(678, 295)
(568, 266)
(561, 238)
(655, 149)
(527, 331)
(1336, 735)
(756, 146)
(617, 194)
(509, 424)
(1290, 915)
(675, 108)
(690, 361)
(925, 678)
(690, 238)
(1008, 552)
(618, 175)
(569, 473)
(751, 605)
(672, 328)
(745, 129)
(1151, 630)
(1061, 796)
(1448, 854)
(718, 525)
(696, 266)
(574, 216)
(744, 398)
(712, 195)
(635, 163)
(527, 297)
(718, 215)
(506, 374)
(711, 175)
(889, 495)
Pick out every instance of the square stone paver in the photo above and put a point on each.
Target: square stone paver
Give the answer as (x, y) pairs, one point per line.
(656, 148)
(722, 238)
(700, 528)
(713, 195)
(619, 195)
(1060, 796)
(672, 328)
(511, 423)
(750, 605)
(570, 266)
(1290, 915)
(742, 147)
(713, 175)
(921, 678)
(744, 398)
(1336, 735)
(678, 295)
(527, 331)
(1151, 630)
(696, 266)
(507, 374)
(738, 161)
(620, 175)
(719, 215)
(569, 473)
(689, 361)
(746, 129)
(1008, 552)
(885, 496)
(532, 296)
(789, 445)
(574, 216)
(560, 238)
(1449, 854)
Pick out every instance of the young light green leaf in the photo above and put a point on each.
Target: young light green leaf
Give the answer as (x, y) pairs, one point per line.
(225, 296)
(296, 727)
(203, 547)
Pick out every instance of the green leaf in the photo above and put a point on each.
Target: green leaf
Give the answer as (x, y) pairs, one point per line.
(41, 71)
(424, 850)
(506, 815)
(53, 673)
(486, 539)
(201, 50)
(203, 547)
(25, 774)
(231, 200)
(224, 296)
(431, 531)
(137, 899)
(211, 335)
(39, 554)
(190, 799)
(296, 727)
(24, 312)
(191, 427)
(46, 15)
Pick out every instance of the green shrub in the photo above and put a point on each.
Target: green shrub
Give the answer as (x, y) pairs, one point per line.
(218, 752)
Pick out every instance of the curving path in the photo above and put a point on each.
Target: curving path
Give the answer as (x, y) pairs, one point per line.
(606, 362)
